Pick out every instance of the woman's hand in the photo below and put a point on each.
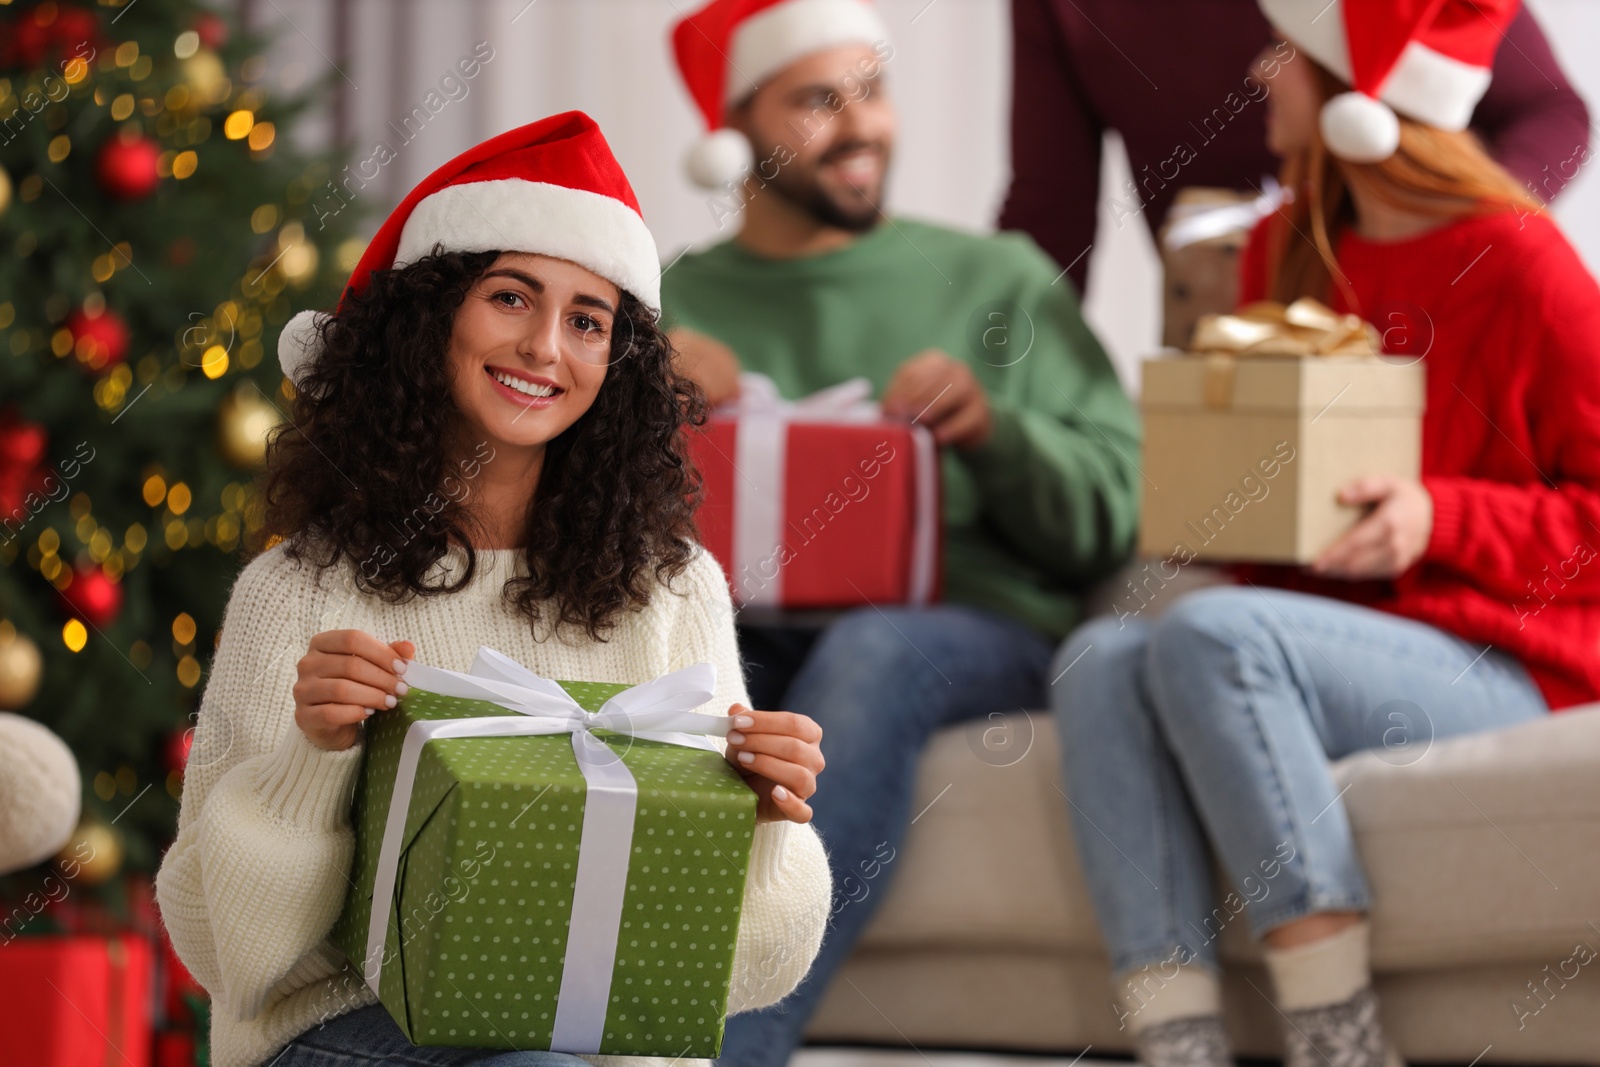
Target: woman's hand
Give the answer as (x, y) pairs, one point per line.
(344, 677)
(780, 755)
(1390, 539)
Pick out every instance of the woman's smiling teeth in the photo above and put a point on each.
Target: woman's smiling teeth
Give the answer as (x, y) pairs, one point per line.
(525, 387)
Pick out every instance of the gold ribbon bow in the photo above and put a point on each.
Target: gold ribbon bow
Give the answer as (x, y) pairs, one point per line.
(1267, 328)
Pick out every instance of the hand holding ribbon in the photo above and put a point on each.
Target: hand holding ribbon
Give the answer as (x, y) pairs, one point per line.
(936, 390)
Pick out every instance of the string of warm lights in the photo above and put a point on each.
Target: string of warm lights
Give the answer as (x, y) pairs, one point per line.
(120, 124)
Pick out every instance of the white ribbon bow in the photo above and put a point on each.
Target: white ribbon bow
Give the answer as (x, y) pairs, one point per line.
(849, 401)
(760, 456)
(1193, 223)
(657, 710)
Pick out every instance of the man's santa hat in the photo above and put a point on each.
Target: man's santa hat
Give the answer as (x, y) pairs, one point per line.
(1427, 59)
(729, 47)
(551, 187)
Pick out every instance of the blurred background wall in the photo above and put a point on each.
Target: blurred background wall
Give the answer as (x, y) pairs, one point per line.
(950, 76)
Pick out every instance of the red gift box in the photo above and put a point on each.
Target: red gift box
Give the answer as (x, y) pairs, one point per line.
(76, 1001)
(819, 503)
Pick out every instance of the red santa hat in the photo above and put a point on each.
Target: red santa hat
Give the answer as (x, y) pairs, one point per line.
(1427, 59)
(729, 47)
(551, 187)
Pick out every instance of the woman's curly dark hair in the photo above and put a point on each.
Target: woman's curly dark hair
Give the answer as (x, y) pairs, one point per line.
(365, 457)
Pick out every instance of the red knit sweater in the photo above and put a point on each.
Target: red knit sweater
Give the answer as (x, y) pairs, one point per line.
(1507, 320)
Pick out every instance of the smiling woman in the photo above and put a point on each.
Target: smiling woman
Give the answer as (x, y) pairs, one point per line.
(532, 309)
(564, 376)
(523, 354)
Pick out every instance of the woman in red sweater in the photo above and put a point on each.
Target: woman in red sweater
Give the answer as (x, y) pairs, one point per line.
(1465, 601)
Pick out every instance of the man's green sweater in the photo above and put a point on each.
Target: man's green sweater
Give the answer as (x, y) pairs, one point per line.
(1049, 503)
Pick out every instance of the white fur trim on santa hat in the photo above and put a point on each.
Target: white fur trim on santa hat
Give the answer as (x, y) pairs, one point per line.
(1434, 88)
(770, 40)
(298, 344)
(720, 157)
(1425, 85)
(1314, 27)
(597, 232)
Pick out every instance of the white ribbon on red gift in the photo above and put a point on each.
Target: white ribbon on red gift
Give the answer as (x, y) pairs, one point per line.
(761, 460)
(657, 710)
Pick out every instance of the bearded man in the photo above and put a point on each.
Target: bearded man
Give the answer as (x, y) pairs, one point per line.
(977, 337)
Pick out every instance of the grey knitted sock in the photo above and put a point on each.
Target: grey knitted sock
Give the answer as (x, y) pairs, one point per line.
(1346, 1034)
(1198, 1041)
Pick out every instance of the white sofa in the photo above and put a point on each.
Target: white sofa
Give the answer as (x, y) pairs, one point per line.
(1483, 857)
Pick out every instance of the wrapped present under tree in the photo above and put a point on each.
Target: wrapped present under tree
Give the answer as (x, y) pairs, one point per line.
(75, 1000)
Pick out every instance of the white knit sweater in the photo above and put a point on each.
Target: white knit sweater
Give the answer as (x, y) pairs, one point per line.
(251, 887)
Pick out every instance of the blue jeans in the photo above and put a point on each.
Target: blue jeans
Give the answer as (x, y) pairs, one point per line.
(1214, 726)
(880, 682)
(368, 1037)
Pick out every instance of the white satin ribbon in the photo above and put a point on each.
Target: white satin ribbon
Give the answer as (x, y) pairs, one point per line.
(925, 536)
(1192, 223)
(657, 710)
(761, 460)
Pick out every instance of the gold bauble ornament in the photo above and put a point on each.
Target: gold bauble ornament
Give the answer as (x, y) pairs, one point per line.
(5, 190)
(21, 667)
(298, 260)
(92, 855)
(244, 420)
(206, 77)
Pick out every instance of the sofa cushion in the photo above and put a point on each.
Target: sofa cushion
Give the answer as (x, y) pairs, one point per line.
(1485, 849)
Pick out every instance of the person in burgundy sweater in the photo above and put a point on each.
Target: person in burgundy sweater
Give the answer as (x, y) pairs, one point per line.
(1466, 600)
(1161, 75)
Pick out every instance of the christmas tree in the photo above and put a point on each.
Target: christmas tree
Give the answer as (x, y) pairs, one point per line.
(157, 228)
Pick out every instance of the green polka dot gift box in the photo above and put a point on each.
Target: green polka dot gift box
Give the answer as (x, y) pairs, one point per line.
(567, 869)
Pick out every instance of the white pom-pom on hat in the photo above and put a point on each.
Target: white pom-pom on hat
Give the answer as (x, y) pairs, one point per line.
(40, 793)
(1429, 60)
(298, 344)
(720, 157)
(1359, 129)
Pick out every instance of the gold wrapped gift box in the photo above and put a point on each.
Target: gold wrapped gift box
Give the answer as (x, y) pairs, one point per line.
(1251, 434)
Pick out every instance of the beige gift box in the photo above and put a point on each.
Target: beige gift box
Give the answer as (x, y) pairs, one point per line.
(1244, 457)
(1200, 244)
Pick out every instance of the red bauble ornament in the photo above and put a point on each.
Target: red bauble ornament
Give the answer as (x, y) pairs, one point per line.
(127, 168)
(77, 31)
(48, 31)
(93, 597)
(178, 746)
(24, 43)
(212, 29)
(22, 443)
(100, 340)
(22, 447)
